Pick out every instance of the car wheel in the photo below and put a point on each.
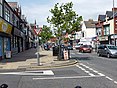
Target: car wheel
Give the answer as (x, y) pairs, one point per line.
(108, 55)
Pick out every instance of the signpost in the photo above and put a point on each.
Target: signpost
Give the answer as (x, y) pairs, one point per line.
(37, 32)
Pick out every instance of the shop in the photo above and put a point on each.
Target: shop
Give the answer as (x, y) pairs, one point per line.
(16, 41)
(103, 39)
(5, 39)
(113, 39)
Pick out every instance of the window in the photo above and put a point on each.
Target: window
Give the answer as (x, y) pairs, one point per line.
(106, 30)
(0, 10)
(7, 14)
(99, 32)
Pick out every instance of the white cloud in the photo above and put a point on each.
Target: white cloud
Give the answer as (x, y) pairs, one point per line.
(87, 9)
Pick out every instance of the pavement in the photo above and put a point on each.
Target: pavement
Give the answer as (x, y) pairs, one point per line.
(27, 60)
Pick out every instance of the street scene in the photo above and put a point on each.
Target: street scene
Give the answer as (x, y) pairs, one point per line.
(58, 44)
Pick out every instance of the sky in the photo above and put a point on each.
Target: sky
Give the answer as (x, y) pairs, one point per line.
(39, 9)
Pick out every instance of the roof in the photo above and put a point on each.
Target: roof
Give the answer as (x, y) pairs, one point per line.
(101, 17)
(13, 5)
(109, 14)
(90, 23)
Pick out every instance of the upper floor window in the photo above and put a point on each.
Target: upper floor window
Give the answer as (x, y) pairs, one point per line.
(99, 31)
(106, 30)
(1, 10)
(7, 14)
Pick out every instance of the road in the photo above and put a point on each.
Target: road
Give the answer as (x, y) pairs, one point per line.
(91, 72)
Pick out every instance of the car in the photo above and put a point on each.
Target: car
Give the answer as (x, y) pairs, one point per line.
(107, 50)
(69, 47)
(77, 46)
(85, 48)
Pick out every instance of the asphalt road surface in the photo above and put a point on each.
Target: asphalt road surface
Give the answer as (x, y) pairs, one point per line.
(91, 72)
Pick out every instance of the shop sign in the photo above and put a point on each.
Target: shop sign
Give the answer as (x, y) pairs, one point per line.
(5, 27)
(17, 32)
(103, 38)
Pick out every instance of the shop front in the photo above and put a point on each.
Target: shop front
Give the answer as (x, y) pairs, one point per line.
(16, 41)
(103, 39)
(113, 39)
(5, 39)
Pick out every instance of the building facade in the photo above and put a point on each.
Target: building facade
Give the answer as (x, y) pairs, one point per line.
(14, 31)
(106, 28)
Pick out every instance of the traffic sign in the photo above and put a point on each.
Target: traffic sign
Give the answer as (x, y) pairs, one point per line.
(37, 30)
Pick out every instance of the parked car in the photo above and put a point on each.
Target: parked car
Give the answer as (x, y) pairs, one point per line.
(85, 48)
(70, 47)
(77, 46)
(107, 50)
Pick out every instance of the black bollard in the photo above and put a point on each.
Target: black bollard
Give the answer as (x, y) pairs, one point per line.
(4, 86)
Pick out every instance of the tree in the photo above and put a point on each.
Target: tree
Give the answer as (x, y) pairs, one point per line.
(64, 19)
(46, 34)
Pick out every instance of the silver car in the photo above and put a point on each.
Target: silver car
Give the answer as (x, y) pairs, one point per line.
(107, 50)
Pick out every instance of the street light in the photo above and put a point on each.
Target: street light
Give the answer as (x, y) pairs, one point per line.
(113, 20)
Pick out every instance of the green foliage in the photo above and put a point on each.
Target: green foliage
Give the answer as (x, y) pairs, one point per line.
(64, 19)
(46, 33)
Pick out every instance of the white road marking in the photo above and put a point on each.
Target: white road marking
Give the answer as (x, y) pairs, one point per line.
(85, 70)
(115, 82)
(109, 78)
(100, 74)
(92, 70)
(73, 77)
(45, 72)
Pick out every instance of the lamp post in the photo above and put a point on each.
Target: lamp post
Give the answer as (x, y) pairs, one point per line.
(114, 21)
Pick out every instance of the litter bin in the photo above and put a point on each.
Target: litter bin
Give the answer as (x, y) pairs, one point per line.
(55, 51)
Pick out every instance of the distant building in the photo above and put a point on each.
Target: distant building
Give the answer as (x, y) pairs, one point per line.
(106, 28)
(87, 32)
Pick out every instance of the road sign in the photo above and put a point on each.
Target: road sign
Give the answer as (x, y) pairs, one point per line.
(37, 30)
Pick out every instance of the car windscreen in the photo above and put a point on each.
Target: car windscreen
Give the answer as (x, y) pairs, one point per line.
(112, 47)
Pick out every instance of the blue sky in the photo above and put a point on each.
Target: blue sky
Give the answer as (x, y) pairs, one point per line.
(39, 9)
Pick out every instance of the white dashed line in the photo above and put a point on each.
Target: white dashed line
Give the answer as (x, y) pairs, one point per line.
(100, 74)
(95, 71)
(115, 82)
(92, 75)
(109, 78)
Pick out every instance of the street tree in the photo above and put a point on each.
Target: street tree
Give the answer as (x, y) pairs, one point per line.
(46, 34)
(64, 19)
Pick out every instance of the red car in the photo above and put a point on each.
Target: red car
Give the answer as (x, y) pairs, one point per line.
(85, 48)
